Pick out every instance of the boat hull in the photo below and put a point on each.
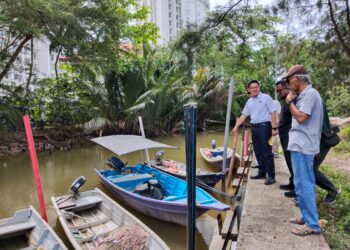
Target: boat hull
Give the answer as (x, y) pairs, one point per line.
(118, 217)
(169, 211)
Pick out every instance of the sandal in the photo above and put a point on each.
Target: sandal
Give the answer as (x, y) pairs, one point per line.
(298, 221)
(304, 231)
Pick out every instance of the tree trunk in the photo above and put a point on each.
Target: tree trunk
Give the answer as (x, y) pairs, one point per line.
(14, 56)
(56, 62)
(336, 29)
(30, 66)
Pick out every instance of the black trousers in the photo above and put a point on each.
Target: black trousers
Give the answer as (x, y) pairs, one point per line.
(321, 180)
(284, 142)
(263, 151)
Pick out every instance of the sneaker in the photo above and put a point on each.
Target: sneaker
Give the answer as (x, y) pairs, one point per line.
(269, 181)
(258, 176)
(287, 187)
(290, 194)
(331, 197)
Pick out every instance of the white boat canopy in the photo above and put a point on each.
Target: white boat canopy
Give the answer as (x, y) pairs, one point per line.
(124, 144)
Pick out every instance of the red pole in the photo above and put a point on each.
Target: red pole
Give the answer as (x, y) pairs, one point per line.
(246, 143)
(35, 166)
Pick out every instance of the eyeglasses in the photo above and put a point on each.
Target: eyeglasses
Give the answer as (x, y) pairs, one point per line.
(280, 90)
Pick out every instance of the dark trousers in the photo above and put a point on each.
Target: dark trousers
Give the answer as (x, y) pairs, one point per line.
(263, 151)
(321, 180)
(284, 142)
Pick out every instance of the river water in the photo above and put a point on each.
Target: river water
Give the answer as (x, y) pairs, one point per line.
(60, 169)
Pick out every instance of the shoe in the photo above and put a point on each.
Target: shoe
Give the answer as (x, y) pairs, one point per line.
(257, 166)
(270, 181)
(276, 155)
(304, 230)
(258, 176)
(331, 197)
(295, 200)
(290, 194)
(287, 187)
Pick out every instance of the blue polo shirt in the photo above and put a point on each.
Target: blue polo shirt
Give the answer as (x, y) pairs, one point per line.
(305, 137)
(259, 108)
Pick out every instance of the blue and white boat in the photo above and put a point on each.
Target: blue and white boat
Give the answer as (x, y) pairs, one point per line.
(147, 189)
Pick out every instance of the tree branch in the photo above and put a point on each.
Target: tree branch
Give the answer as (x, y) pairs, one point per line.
(347, 13)
(14, 56)
(337, 31)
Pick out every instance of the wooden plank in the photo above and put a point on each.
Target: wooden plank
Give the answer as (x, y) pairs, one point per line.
(241, 171)
(5, 230)
(217, 243)
(235, 182)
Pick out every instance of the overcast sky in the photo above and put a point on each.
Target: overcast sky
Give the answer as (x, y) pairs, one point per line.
(214, 3)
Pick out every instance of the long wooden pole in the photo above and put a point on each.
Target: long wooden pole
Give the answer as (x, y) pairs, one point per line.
(227, 128)
(35, 166)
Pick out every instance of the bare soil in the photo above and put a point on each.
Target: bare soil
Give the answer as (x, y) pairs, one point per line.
(341, 163)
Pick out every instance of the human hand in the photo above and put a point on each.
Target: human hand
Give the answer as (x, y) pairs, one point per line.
(290, 97)
(274, 132)
(234, 131)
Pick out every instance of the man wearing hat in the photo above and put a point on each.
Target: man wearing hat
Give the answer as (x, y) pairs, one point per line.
(262, 111)
(304, 144)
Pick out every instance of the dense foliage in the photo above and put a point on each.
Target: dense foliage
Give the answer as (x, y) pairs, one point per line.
(115, 72)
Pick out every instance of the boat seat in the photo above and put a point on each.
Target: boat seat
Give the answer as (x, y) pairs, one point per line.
(85, 203)
(16, 228)
(131, 178)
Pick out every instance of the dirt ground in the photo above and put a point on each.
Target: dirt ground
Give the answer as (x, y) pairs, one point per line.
(340, 163)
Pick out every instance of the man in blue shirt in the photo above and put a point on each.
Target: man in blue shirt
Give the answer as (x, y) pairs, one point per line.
(262, 111)
(304, 144)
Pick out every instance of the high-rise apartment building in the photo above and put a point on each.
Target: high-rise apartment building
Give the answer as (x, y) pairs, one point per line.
(172, 16)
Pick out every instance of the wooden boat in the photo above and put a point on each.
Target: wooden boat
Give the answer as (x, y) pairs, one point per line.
(178, 169)
(91, 219)
(27, 230)
(215, 156)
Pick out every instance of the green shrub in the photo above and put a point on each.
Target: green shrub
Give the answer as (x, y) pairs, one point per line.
(337, 230)
(345, 133)
(339, 101)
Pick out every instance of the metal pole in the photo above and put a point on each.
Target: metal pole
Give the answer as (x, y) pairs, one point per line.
(276, 65)
(190, 118)
(143, 135)
(227, 128)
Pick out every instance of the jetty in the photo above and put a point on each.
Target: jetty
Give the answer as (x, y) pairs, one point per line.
(261, 218)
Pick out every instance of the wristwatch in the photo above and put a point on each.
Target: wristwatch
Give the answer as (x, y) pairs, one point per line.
(274, 128)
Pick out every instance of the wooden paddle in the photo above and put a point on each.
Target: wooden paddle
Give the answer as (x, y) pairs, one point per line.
(230, 177)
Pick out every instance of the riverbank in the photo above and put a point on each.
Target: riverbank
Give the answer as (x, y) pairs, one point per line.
(45, 140)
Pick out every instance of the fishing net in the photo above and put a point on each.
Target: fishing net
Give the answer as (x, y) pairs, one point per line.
(130, 237)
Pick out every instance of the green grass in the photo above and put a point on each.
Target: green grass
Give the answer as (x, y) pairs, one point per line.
(337, 230)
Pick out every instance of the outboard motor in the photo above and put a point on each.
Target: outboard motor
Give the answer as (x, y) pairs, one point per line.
(156, 189)
(77, 184)
(213, 144)
(151, 189)
(116, 164)
(158, 157)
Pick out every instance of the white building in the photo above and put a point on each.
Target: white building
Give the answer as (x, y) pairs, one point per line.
(43, 63)
(172, 16)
